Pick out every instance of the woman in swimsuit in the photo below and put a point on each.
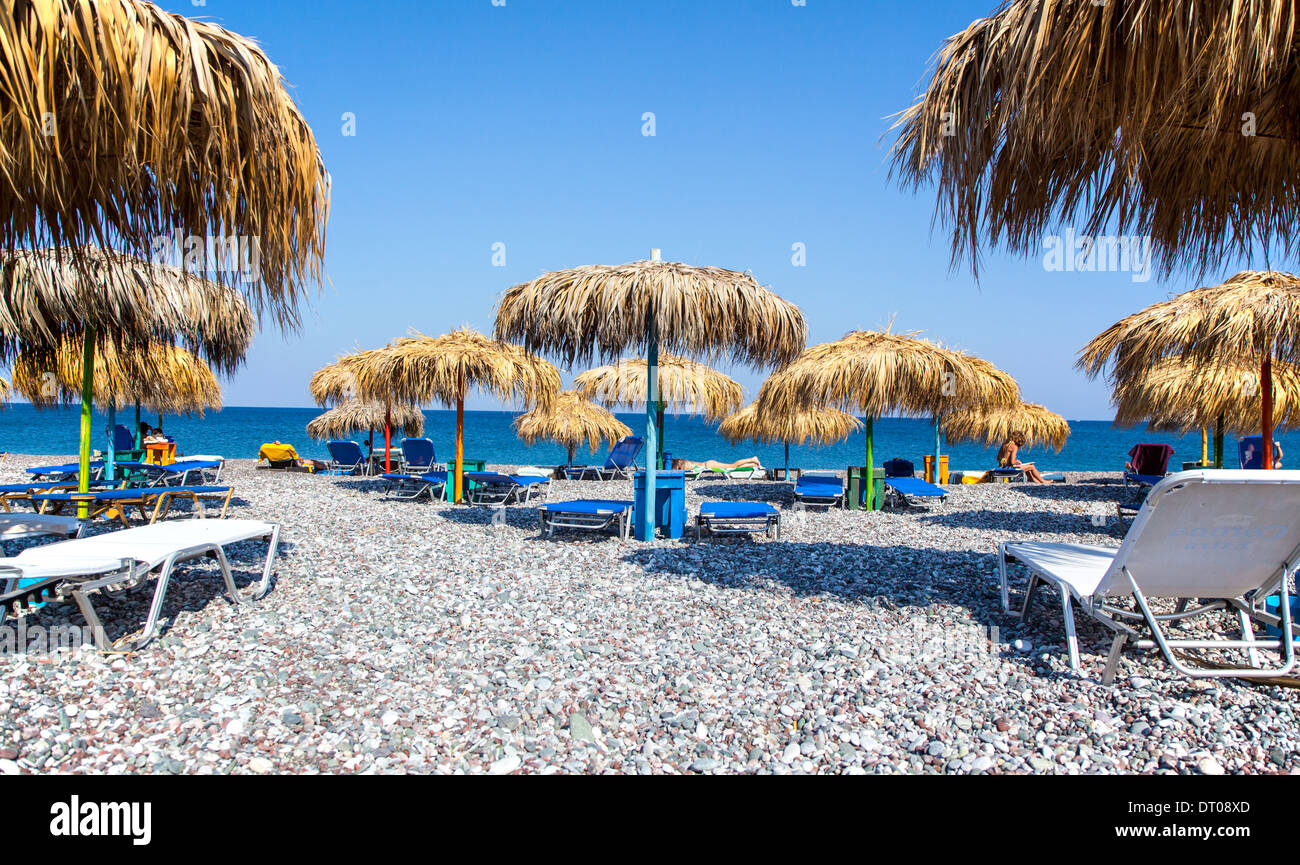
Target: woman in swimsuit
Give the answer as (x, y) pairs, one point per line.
(1007, 458)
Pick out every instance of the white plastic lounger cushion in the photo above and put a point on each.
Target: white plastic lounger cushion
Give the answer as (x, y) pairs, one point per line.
(151, 544)
(15, 526)
(1080, 566)
(1211, 534)
(78, 566)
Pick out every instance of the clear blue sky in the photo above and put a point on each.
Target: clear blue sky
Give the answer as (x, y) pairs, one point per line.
(522, 124)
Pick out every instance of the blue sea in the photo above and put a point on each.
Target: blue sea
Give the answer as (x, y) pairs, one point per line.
(238, 432)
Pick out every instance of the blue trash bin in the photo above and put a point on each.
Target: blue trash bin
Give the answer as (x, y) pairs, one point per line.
(670, 501)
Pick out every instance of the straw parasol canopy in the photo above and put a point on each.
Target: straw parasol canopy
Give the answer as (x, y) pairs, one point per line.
(684, 385)
(1178, 395)
(49, 297)
(606, 310)
(602, 311)
(125, 123)
(356, 415)
(164, 378)
(571, 420)
(1172, 121)
(1254, 317)
(6, 391)
(443, 369)
(876, 373)
(993, 427)
(822, 426)
(333, 384)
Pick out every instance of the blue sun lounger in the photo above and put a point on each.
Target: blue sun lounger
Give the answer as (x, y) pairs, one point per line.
(66, 471)
(819, 490)
(160, 499)
(587, 515)
(738, 518)
(900, 492)
(494, 488)
(173, 474)
(620, 463)
(418, 457)
(410, 486)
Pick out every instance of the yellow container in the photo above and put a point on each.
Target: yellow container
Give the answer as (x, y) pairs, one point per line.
(943, 469)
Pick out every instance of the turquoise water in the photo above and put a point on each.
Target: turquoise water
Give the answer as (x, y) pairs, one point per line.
(239, 431)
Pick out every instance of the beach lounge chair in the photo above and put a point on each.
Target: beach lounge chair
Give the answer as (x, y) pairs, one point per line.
(495, 488)
(401, 485)
(819, 490)
(1147, 464)
(740, 472)
(900, 492)
(66, 471)
(1228, 538)
(899, 468)
(182, 473)
(418, 457)
(620, 463)
(1250, 452)
(346, 458)
(81, 568)
(586, 515)
(735, 518)
(153, 502)
(10, 493)
(18, 527)
(124, 449)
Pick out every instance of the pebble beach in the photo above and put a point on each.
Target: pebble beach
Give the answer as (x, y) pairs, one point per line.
(418, 637)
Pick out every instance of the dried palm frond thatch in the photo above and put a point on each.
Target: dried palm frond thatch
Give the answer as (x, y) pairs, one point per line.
(684, 385)
(6, 391)
(1251, 317)
(571, 420)
(821, 426)
(1177, 121)
(164, 378)
(124, 123)
(605, 310)
(46, 300)
(878, 373)
(357, 416)
(444, 369)
(993, 427)
(1179, 395)
(334, 384)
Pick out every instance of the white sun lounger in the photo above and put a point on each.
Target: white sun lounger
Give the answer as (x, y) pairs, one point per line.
(158, 547)
(1227, 538)
(17, 527)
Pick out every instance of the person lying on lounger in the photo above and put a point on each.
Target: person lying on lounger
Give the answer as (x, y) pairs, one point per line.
(699, 465)
(1007, 458)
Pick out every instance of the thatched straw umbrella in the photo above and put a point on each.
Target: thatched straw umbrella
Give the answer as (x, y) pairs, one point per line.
(1179, 395)
(821, 426)
(164, 378)
(876, 373)
(684, 385)
(1253, 317)
(606, 310)
(570, 421)
(356, 415)
(125, 123)
(334, 384)
(443, 369)
(1172, 121)
(993, 427)
(50, 301)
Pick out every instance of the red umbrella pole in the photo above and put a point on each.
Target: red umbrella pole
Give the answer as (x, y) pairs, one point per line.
(1266, 393)
(388, 440)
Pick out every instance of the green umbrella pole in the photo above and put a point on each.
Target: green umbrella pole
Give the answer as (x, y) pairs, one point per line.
(645, 527)
(1218, 443)
(139, 439)
(787, 461)
(869, 470)
(87, 397)
(938, 445)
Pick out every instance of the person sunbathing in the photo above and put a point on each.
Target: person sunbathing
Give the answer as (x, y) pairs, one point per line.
(1007, 458)
(700, 465)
